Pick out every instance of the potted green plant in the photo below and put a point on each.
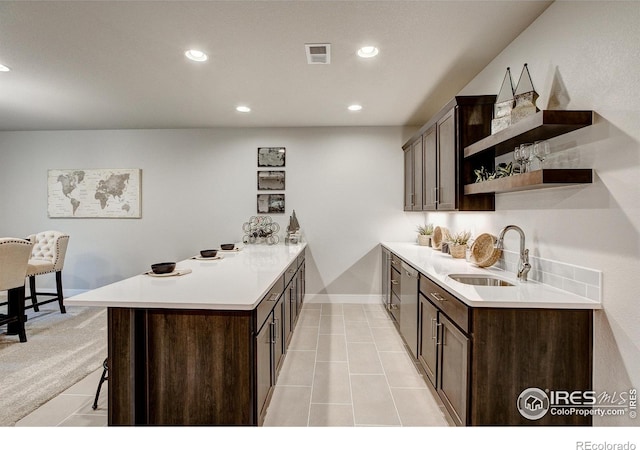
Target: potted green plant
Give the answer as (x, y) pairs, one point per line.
(424, 234)
(458, 244)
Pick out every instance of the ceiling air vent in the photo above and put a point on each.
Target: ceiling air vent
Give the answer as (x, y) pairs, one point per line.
(318, 53)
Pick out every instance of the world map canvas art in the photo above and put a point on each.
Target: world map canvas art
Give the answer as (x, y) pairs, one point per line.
(106, 193)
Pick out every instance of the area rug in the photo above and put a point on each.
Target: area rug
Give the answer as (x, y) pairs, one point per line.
(61, 349)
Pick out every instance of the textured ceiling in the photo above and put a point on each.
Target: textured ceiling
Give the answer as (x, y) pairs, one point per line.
(121, 64)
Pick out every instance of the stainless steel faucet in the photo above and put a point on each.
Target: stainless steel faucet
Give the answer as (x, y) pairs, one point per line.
(523, 264)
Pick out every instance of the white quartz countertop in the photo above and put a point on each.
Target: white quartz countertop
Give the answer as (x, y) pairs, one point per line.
(531, 294)
(238, 281)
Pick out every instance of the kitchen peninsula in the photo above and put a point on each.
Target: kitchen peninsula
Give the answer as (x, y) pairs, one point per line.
(203, 348)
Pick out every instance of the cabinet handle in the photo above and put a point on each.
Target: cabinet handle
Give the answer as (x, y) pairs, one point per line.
(433, 328)
(437, 297)
(277, 333)
(394, 281)
(442, 333)
(392, 306)
(394, 262)
(273, 297)
(438, 342)
(273, 332)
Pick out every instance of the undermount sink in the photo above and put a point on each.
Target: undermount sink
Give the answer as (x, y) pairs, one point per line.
(480, 280)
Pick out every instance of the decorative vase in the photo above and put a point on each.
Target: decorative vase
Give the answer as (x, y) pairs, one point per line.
(458, 251)
(424, 239)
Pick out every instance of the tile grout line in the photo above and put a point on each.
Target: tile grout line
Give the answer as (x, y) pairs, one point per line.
(385, 376)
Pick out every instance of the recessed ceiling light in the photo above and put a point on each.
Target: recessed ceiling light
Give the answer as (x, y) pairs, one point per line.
(196, 55)
(368, 52)
(354, 107)
(243, 109)
(4, 68)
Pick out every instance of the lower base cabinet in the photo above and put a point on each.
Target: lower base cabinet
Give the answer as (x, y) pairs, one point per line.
(481, 360)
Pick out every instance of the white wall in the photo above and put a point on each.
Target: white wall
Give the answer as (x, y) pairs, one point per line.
(199, 186)
(583, 55)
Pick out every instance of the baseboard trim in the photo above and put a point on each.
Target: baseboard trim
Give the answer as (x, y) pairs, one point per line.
(343, 298)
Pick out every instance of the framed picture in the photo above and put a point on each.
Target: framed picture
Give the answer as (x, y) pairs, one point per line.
(271, 180)
(94, 193)
(271, 156)
(271, 203)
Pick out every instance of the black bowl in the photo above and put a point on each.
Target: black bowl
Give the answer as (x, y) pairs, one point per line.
(208, 253)
(165, 267)
(227, 246)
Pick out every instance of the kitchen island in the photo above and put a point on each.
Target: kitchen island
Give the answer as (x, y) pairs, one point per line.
(205, 347)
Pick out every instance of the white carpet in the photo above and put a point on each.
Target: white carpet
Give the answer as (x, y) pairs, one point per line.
(61, 349)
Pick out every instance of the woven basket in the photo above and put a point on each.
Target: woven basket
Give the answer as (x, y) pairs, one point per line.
(439, 233)
(483, 251)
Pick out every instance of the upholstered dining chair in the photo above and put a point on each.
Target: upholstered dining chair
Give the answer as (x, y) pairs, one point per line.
(47, 256)
(14, 255)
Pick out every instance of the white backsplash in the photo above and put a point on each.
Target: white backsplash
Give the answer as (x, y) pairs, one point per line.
(568, 277)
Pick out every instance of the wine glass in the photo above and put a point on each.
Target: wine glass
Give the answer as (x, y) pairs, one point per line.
(541, 151)
(517, 156)
(525, 153)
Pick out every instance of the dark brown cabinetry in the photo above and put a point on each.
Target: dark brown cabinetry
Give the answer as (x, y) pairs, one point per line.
(395, 280)
(440, 144)
(269, 353)
(481, 359)
(413, 182)
(201, 367)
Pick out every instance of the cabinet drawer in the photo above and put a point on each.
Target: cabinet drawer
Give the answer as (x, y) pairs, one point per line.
(457, 311)
(290, 272)
(395, 281)
(300, 258)
(268, 302)
(396, 262)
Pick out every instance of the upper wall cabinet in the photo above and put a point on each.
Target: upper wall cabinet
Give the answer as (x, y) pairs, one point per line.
(434, 157)
(413, 189)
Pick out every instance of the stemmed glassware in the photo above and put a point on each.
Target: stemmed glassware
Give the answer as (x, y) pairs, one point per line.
(522, 156)
(541, 151)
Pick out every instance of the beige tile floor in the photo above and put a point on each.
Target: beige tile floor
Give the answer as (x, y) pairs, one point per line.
(346, 366)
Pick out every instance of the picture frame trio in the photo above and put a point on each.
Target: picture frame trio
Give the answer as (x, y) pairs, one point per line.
(270, 158)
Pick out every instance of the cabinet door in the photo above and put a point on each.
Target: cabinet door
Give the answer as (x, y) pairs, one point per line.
(417, 175)
(302, 282)
(408, 179)
(447, 168)
(428, 338)
(263, 364)
(278, 340)
(289, 319)
(430, 169)
(386, 277)
(454, 365)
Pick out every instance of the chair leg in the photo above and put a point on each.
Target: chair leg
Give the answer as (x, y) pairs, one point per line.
(103, 378)
(32, 288)
(16, 309)
(59, 290)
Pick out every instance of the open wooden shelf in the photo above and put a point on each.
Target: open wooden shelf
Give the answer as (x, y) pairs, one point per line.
(543, 125)
(537, 179)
